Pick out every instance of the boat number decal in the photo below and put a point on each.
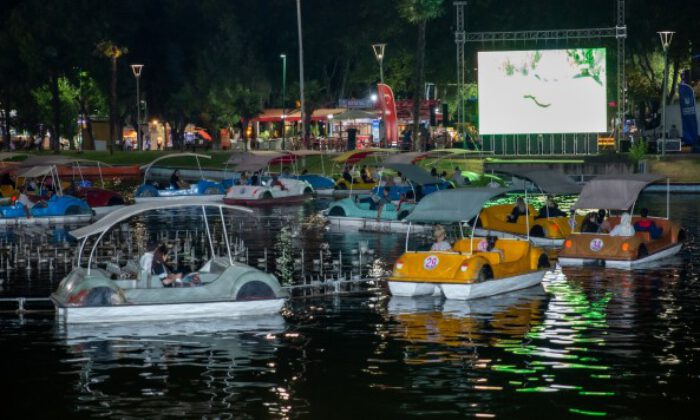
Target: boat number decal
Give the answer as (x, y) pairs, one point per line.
(596, 244)
(430, 262)
(483, 245)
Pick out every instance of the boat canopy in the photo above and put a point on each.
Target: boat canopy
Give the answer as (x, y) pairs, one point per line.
(413, 173)
(615, 192)
(407, 157)
(455, 205)
(550, 182)
(124, 213)
(253, 161)
(173, 155)
(353, 156)
(35, 171)
(57, 160)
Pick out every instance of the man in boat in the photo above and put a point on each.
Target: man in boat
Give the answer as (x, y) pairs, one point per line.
(381, 201)
(550, 209)
(24, 200)
(457, 177)
(644, 224)
(346, 174)
(602, 220)
(255, 179)
(440, 237)
(176, 181)
(518, 210)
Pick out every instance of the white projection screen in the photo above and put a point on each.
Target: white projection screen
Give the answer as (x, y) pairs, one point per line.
(542, 91)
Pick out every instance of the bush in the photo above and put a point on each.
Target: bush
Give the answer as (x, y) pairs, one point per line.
(638, 150)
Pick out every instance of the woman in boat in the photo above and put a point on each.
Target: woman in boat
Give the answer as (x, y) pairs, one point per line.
(491, 246)
(590, 223)
(624, 228)
(347, 176)
(160, 268)
(602, 220)
(518, 210)
(365, 175)
(440, 236)
(644, 224)
(550, 209)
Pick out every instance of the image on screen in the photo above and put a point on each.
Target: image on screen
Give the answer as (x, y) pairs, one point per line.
(542, 91)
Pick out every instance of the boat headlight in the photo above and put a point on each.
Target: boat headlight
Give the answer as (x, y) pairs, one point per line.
(625, 246)
(399, 265)
(464, 267)
(567, 243)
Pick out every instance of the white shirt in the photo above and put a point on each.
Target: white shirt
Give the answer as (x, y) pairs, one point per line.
(24, 200)
(441, 246)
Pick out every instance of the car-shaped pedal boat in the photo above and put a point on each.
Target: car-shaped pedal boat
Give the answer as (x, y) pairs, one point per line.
(358, 212)
(294, 192)
(467, 270)
(419, 182)
(132, 293)
(601, 249)
(56, 209)
(542, 231)
(148, 192)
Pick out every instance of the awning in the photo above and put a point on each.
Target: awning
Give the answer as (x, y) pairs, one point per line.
(615, 192)
(451, 206)
(550, 182)
(413, 173)
(127, 212)
(253, 161)
(271, 115)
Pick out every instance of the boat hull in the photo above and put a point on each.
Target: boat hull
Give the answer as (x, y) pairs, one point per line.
(169, 311)
(467, 291)
(624, 264)
(537, 240)
(261, 202)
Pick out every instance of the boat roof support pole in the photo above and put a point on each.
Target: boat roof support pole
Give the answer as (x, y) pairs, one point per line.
(94, 247)
(80, 250)
(471, 238)
(527, 216)
(99, 169)
(201, 174)
(206, 225)
(223, 225)
(668, 199)
(408, 233)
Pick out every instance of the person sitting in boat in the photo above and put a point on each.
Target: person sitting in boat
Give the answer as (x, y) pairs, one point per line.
(176, 181)
(7, 180)
(603, 223)
(644, 224)
(388, 180)
(518, 210)
(255, 179)
(550, 209)
(590, 223)
(457, 177)
(440, 237)
(489, 245)
(24, 200)
(381, 201)
(277, 183)
(160, 268)
(624, 228)
(398, 179)
(433, 172)
(304, 171)
(365, 175)
(347, 176)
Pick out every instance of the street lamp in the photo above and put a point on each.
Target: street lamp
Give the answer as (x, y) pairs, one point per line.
(379, 55)
(136, 68)
(666, 37)
(284, 99)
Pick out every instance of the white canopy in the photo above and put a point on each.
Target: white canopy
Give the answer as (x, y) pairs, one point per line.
(173, 155)
(253, 161)
(551, 182)
(413, 173)
(124, 213)
(451, 206)
(34, 171)
(616, 192)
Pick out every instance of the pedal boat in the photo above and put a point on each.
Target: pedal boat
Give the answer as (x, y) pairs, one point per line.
(355, 213)
(149, 192)
(600, 249)
(419, 182)
(466, 271)
(547, 231)
(131, 293)
(352, 157)
(57, 209)
(295, 191)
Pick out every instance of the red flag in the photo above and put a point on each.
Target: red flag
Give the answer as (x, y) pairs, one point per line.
(388, 107)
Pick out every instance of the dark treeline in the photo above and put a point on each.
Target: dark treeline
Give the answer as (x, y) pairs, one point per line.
(217, 62)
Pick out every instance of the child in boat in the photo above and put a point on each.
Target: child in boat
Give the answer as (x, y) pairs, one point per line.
(518, 210)
(440, 236)
(644, 224)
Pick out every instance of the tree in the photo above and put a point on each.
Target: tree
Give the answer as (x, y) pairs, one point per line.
(113, 52)
(419, 12)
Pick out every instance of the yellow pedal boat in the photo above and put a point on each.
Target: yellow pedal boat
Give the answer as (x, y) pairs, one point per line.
(467, 270)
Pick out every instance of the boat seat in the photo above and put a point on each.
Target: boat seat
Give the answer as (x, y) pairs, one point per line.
(491, 257)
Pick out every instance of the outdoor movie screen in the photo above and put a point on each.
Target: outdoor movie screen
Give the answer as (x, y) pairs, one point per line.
(542, 91)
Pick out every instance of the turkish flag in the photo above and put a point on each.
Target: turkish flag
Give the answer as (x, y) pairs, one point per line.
(388, 107)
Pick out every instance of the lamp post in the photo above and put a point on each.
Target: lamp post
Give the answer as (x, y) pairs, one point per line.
(136, 69)
(301, 72)
(284, 99)
(379, 55)
(666, 37)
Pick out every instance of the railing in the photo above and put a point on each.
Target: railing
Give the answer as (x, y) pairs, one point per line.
(544, 144)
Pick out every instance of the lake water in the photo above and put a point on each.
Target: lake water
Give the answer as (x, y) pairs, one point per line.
(589, 342)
